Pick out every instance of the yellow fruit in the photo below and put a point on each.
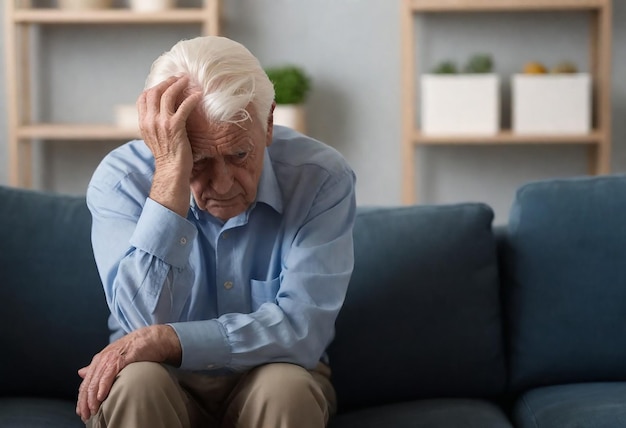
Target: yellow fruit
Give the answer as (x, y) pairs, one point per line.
(534, 68)
(564, 67)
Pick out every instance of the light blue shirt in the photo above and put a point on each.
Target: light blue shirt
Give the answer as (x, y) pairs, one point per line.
(265, 286)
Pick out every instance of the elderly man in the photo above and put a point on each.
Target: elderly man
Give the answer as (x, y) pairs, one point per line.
(224, 245)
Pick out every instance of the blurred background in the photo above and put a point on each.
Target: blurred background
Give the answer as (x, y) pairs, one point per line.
(351, 49)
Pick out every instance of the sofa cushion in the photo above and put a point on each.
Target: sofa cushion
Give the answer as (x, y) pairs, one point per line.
(422, 313)
(564, 262)
(38, 413)
(449, 413)
(597, 405)
(54, 314)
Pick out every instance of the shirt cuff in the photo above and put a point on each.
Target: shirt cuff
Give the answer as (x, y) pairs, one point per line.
(164, 234)
(204, 345)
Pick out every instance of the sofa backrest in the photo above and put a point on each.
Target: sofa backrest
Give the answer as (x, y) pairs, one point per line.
(564, 269)
(422, 315)
(54, 314)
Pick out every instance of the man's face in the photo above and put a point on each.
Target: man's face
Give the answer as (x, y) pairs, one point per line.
(228, 160)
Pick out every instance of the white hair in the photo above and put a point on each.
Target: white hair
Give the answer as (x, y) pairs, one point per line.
(231, 78)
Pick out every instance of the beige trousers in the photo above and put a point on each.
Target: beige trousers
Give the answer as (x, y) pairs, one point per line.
(275, 395)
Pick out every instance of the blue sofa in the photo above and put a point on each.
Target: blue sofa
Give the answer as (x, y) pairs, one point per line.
(449, 320)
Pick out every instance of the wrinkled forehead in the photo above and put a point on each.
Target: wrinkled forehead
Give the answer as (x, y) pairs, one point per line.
(229, 147)
(209, 139)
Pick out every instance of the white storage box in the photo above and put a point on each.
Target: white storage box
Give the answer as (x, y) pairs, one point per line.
(464, 104)
(551, 103)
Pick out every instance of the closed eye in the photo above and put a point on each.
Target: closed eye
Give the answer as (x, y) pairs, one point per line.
(240, 157)
(199, 165)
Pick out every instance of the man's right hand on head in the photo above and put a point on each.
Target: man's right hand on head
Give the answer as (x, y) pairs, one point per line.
(163, 112)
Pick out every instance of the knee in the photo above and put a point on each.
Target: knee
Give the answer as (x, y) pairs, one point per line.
(288, 386)
(142, 381)
(143, 390)
(143, 378)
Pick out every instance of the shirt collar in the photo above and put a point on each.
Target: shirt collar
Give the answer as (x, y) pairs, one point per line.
(268, 191)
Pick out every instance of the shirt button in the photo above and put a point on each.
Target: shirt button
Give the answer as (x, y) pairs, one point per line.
(228, 285)
(224, 235)
(183, 241)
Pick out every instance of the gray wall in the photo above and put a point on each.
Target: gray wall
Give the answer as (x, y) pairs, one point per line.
(351, 48)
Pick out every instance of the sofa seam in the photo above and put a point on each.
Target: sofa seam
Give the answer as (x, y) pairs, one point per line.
(532, 413)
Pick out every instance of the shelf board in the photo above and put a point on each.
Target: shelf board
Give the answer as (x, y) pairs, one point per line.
(506, 137)
(109, 16)
(503, 5)
(76, 132)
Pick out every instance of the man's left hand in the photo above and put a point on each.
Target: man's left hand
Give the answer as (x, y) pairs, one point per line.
(158, 343)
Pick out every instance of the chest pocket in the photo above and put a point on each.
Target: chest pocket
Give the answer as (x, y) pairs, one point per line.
(263, 292)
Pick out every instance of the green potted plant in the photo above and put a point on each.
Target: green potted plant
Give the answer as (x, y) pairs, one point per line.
(292, 86)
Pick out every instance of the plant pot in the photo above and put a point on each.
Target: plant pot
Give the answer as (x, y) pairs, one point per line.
(464, 104)
(84, 4)
(551, 104)
(291, 115)
(151, 5)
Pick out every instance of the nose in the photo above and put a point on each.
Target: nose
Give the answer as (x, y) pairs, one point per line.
(221, 177)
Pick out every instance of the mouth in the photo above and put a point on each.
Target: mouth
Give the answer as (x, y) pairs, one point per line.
(219, 200)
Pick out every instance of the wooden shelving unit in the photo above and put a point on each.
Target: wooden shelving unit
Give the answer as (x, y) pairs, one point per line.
(20, 18)
(506, 137)
(49, 131)
(598, 141)
(114, 16)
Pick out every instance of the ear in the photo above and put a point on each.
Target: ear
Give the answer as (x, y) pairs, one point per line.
(270, 126)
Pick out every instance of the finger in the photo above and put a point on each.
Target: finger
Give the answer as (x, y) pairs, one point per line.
(142, 115)
(188, 105)
(83, 404)
(92, 380)
(82, 409)
(79, 400)
(172, 94)
(155, 94)
(141, 105)
(94, 386)
(83, 372)
(162, 86)
(106, 381)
